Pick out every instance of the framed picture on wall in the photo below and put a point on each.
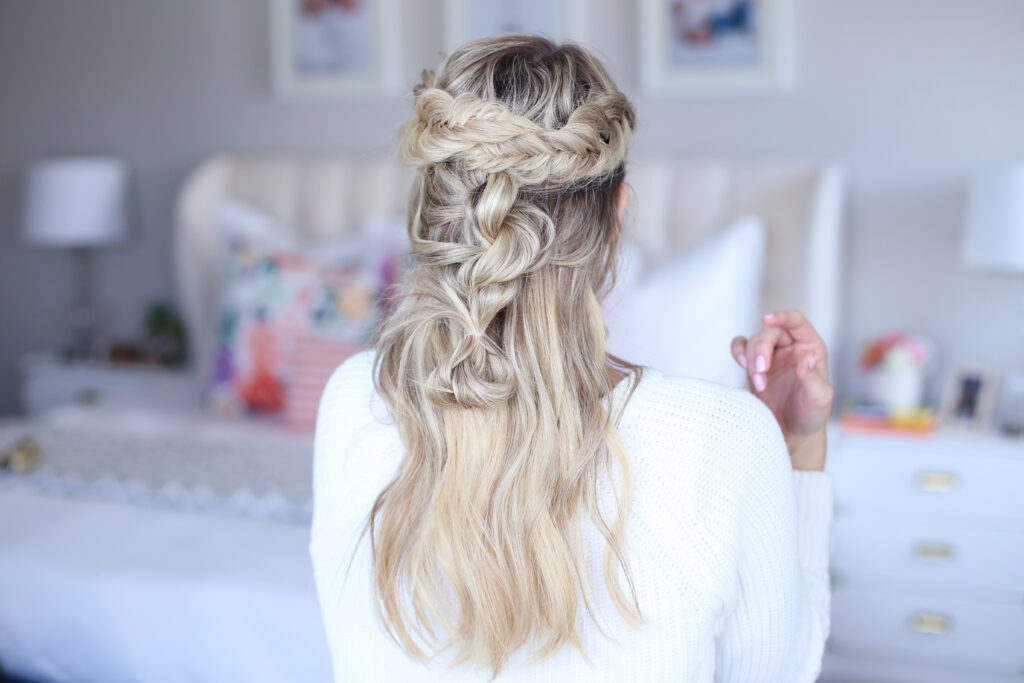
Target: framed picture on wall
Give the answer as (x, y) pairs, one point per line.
(969, 399)
(716, 46)
(324, 48)
(470, 19)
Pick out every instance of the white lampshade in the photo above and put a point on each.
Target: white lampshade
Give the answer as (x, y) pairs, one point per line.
(994, 236)
(75, 202)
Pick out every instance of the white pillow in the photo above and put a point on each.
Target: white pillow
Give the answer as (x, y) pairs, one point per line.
(680, 317)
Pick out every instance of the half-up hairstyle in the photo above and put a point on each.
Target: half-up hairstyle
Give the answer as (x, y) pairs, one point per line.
(493, 362)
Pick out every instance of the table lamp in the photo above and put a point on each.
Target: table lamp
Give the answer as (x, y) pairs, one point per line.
(994, 240)
(76, 204)
(994, 237)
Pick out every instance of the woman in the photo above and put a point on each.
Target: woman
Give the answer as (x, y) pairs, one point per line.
(495, 495)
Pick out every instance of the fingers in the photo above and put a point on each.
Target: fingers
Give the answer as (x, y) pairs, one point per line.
(755, 354)
(799, 328)
(761, 348)
(790, 319)
(783, 328)
(738, 349)
(812, 374)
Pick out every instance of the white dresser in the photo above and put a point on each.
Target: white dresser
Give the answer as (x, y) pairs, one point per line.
(49, 382)
(927, 559)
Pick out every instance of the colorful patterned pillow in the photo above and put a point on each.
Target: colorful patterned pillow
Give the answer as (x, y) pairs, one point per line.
(277, 292)
(311, 368)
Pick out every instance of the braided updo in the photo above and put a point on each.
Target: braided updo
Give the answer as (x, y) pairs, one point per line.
(493, 363)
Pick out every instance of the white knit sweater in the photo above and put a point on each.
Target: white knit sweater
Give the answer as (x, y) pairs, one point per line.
(727, 545)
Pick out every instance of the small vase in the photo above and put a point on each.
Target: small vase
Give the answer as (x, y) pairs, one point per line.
(896, 390)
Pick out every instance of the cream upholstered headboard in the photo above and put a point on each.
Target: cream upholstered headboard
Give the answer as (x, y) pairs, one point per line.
(673, 204)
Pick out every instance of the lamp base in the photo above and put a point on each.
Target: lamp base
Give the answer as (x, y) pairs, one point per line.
(83, 334)
(82, 319)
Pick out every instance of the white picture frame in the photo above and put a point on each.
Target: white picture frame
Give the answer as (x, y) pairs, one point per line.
(466, 20)
(747, 47)
(969, 399)
(351, 48)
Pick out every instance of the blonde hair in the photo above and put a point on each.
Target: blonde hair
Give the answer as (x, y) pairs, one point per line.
(493, 363)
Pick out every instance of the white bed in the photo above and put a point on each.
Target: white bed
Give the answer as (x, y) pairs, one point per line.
(116, 590)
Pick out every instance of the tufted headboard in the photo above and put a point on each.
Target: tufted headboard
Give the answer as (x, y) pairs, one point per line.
(672, 205)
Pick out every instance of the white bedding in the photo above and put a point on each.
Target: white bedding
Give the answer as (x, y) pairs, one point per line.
(94, 591)
(154, 546)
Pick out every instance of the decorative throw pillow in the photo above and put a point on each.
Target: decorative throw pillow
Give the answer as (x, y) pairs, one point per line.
(279, 295)
(314, 362)
(681, 316)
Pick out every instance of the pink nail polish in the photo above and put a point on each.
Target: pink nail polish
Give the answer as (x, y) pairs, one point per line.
(814, 361)
(742, 360)
(761, 364)
(759, 382)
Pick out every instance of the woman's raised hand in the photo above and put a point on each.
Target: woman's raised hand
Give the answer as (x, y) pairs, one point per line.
(787, 368)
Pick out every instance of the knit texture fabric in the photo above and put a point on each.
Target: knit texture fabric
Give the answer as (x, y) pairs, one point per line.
(727, 545)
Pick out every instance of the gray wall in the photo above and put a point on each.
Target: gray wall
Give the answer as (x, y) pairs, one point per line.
(911, 95)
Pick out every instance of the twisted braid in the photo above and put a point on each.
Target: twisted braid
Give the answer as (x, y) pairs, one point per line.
(496, 153)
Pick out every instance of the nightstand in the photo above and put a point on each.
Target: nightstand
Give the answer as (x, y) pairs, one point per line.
(48, 381)
(927, 559)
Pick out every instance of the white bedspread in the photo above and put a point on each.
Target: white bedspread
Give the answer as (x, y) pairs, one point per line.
(100, 592)
(152, 547)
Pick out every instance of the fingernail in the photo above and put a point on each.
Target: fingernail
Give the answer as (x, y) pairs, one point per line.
(769, 316)
(742, 360)
(759, 382)
(760, 364)
(814, 361)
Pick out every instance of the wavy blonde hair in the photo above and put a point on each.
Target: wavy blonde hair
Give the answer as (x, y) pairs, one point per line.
(493, 362)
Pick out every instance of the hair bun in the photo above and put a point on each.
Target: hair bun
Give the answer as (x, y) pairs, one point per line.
(474, 376)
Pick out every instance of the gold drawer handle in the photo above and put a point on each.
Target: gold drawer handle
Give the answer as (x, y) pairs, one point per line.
(936, 482)
(930, 623)
(934, 552)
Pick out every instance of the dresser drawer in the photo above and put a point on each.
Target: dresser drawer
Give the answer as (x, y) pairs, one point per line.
(928, 484)
(839, 668)
(933, 552)
(929, 630)
(49, 383)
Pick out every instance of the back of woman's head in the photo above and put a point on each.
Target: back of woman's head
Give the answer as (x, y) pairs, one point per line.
(493, 363)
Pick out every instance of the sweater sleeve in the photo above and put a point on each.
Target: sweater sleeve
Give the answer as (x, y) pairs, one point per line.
(776, 623)
(337, 500)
